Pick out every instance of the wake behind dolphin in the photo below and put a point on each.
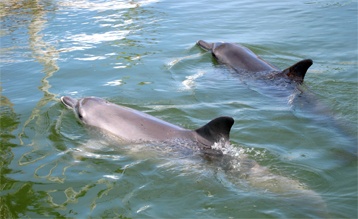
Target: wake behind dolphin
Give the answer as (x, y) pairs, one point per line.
(133, 126)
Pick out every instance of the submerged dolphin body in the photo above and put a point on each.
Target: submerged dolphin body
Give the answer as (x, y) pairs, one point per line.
(242, 59)
(134, 126)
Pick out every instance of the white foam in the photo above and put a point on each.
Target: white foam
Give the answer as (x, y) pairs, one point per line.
(114, 83)
(228, 149)
(189, 82)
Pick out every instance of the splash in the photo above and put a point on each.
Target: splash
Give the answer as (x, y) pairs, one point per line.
(228, 149)
(189, 82)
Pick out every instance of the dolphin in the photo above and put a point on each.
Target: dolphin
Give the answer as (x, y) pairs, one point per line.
(134, 126)
(242, 59)
(137, 127)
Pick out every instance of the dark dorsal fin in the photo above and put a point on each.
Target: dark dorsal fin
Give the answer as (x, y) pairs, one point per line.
(216, 129)
(298, 71)
(205, 45)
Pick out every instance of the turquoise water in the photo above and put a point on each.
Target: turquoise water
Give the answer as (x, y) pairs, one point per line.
(142, 54)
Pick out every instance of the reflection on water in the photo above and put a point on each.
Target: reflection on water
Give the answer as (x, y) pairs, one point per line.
(32, 14)
(127, 28)
(45, 54)
(9, 123)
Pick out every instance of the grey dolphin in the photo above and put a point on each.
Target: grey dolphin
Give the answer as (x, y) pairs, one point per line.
(241, 58)
(134, 126)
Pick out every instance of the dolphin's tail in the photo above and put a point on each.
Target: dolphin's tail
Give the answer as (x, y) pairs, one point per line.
(205, 45)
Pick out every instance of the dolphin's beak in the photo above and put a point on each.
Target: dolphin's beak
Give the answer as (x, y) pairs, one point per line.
(205, 45)
(69, 102)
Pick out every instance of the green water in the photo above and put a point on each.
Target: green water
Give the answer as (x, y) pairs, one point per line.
(142, 54)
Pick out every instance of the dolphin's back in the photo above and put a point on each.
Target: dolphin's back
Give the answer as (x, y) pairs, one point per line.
(130, 124)
(240, 58)
(237, 56)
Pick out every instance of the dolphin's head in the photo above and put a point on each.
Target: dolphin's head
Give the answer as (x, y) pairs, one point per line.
(83, 107)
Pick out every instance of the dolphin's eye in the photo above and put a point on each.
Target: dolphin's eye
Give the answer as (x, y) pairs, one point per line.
(80, 115)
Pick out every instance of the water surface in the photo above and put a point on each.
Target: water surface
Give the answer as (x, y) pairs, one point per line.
(142, 54)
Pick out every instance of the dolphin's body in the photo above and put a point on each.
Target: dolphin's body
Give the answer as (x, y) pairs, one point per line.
(242, 59)
(134, 126)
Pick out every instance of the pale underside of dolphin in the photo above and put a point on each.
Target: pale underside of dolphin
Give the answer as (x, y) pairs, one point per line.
(134, 126)
(241, 58)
